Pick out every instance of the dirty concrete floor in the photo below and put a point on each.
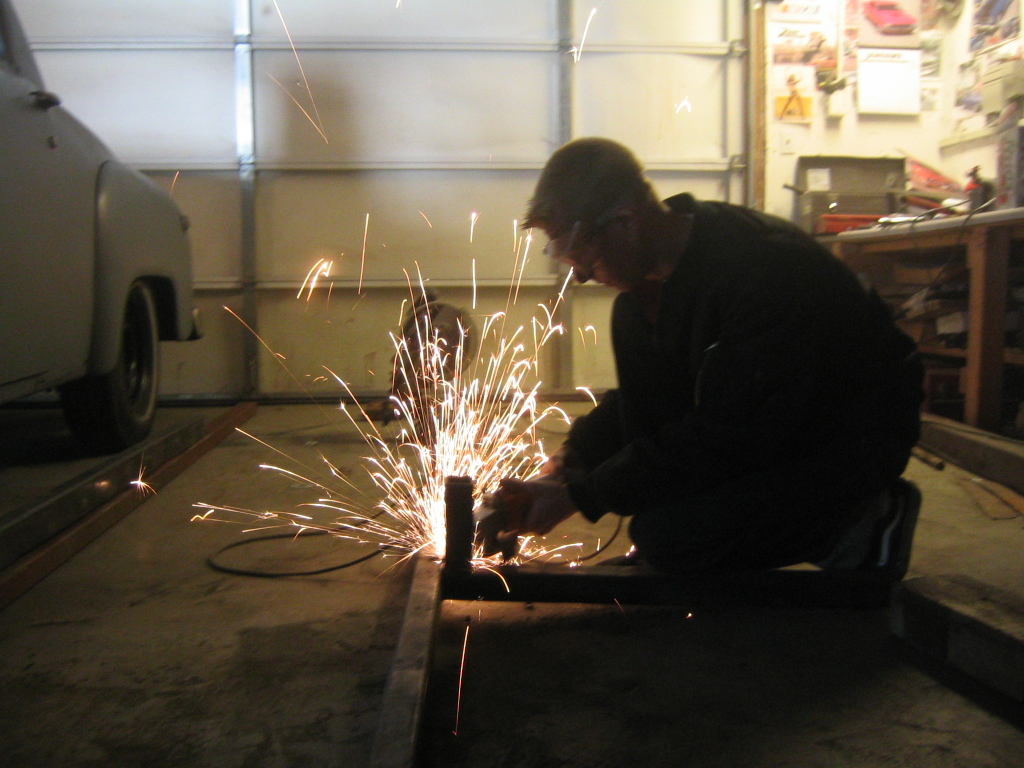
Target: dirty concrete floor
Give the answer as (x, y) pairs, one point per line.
(135, 653)
(573, 685)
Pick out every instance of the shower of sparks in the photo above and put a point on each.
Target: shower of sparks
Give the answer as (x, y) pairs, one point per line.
(684, 103)
(321, 269)
(173, 182)
(141, 485)
(362, 259)
(471, 410)
(318, 123)
(421, 213)
(472, 224)
(462, 669)
(586, 391)
(578, 51)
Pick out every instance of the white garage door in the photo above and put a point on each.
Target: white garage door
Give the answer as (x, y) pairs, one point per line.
(390, 138)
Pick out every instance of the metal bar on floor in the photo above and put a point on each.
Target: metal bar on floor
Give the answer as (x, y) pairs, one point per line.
(394, 743)
(39, 563)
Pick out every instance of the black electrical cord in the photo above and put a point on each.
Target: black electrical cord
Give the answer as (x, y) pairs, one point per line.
(211, 561)
(599, 550)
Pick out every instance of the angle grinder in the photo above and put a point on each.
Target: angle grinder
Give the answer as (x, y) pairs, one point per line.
(499, 518)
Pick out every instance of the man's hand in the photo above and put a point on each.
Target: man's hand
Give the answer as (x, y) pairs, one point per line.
(554, 467)
(549, 503)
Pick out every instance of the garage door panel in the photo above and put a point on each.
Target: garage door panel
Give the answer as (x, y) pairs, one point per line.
(651, 22)
(500, 20)
(212, 203)
(665, 107)
(215, 364)
(348, 334)
(151, 20)
(151, 106)
(409, 106)
(415, 217)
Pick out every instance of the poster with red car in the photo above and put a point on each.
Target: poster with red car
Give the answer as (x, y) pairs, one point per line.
(890, 23)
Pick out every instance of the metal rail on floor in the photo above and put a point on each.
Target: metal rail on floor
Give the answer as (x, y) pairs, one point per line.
(80, 511)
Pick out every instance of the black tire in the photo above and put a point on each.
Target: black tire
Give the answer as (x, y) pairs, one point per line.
(112, 412)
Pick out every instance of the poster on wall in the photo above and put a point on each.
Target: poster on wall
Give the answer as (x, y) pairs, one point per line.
(888, 81)
(967, 108)
(809, 11)
(806, 45)
(993, 22)
(889, 23)
(793, 93)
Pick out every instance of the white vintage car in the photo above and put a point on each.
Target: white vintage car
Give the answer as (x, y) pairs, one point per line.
(95, 265)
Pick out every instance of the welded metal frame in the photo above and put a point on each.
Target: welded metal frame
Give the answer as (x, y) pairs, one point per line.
(790, 588)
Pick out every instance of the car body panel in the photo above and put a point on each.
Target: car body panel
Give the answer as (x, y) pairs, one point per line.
(46, 254)
(139, 234)
(77, 229)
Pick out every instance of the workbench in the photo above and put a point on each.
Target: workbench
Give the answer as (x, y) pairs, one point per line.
(984, 242)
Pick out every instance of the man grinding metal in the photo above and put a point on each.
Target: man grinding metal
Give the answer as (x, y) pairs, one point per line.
(766, 403)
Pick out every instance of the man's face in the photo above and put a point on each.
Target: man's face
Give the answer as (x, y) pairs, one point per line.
(606, 253)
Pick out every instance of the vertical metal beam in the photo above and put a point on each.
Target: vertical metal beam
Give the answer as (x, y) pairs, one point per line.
(757, 141)
(562, 349)
(565, 63)
(245, 148)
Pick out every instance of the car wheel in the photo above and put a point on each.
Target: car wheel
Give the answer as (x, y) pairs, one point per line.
(111, 412)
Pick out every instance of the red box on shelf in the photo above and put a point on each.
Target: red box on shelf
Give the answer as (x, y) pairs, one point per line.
(834, 223)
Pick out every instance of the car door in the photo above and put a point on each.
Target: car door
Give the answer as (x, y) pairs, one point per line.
(46, 231)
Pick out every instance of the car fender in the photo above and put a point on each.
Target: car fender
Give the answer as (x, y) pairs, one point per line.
(141, 234)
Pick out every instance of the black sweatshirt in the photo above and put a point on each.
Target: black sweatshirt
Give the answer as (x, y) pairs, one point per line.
(763, 347)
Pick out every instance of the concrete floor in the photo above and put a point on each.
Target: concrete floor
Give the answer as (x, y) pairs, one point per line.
(135, 653)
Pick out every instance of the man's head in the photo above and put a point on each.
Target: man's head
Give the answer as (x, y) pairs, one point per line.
(590, 200)
(582, 181)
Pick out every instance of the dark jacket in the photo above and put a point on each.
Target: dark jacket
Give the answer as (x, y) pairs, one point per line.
(766, 350)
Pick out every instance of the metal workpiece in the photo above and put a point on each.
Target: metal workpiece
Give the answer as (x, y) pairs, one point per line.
(401, 710)
(458, 503)
(639, 585)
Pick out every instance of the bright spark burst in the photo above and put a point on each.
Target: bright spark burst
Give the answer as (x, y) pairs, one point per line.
(362, 259)
(473, 414)
(144, 488)
(586, 391)
(577, 51)
(472, 224)
(321, 269)
(684, 103)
